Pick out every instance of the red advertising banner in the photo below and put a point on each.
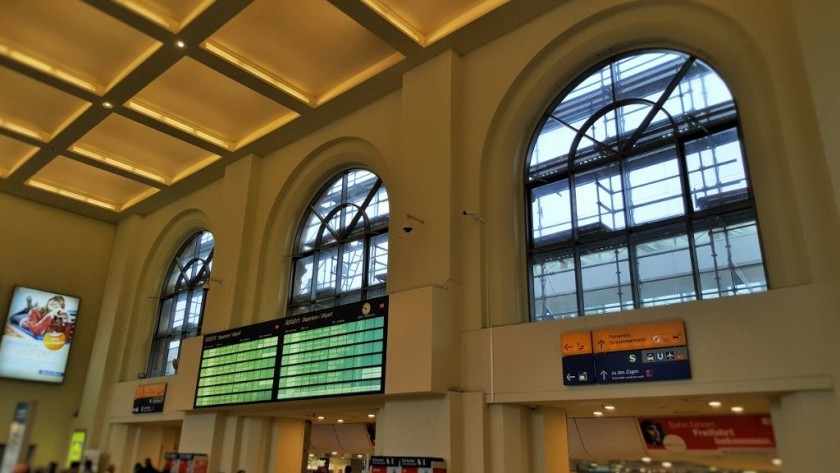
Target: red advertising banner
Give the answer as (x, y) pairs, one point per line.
(749, 432)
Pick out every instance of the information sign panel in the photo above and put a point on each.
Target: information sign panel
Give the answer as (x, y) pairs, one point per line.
(578, 369)
(575, 343)
(149, 398)
(643, 365)
(238, 366)
(335, 352)
(634, 337)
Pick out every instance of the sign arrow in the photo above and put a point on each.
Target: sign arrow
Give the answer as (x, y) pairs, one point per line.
(604, 375)
(601, 344)
(567, 347)
(569, 377)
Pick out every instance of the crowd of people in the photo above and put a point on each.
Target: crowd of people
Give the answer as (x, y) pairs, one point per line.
(75, 467)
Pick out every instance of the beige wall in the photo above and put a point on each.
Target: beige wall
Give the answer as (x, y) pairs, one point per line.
(453, 139)
(54, 251)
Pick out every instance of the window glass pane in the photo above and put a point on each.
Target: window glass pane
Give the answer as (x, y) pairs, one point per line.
(729, 257)
(171, 354)
(586, 99)
(599, 200)
(164, 317)
(605, 279)
(326, 277)
(654, 186)
(310, 232)
(378, 260)
(194, 315)
(716, 171)
(179, 310)
(551, 213)
(701, 98)
(550, 153)
(646, 75)
(663, 263)
(352, 265)
(378, 209)
(302, 286)
(553, 283)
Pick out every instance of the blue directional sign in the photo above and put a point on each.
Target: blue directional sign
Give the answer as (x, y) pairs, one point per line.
(578, 369)
(659, 364)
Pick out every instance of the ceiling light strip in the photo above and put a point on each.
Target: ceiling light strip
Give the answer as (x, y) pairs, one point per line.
(142, 196)
(396, 20)
(22, 130)
(174, 122)
(117, 163)
(196, 167)
(269, 127)
(256, 71)
(463, 19)
(149, 14)
(39, 65)
(360, 77)
(70, 194)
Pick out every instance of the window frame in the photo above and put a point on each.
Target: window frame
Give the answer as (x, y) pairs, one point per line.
(572, 241)
(186, 287)
(371, 230)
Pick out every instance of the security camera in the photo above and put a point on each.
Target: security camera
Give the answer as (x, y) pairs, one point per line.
(408, 227)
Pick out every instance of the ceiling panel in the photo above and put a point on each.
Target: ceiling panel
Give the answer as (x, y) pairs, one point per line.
(199, 96)
(308, 44)
(430, 15)
(172, 15)
(13, 153)
(35, 109)
(143, 148)
(79, 181)
(62, 37)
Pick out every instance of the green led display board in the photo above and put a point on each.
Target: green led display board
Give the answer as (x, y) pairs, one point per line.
(335, 352)
(239, 366)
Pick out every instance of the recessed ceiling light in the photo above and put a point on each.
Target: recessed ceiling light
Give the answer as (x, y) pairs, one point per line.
(180, 44)
(340, 421)
(609, 407)
(646, 459)
(776, 461)
(715, 403)
(334, 453)
(597, 413)
(359, 456)
(320, 417)
(371, 416)
(666, 464)
(737, 409)
(107, 105)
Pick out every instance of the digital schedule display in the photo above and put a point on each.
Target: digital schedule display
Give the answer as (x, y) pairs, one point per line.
(238, 366)
(335, 352)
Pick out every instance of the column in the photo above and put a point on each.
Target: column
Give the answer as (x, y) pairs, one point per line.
(807, 432)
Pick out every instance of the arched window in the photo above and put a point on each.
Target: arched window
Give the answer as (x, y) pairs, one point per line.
(638, 191)
(181, 302)
(341, 250)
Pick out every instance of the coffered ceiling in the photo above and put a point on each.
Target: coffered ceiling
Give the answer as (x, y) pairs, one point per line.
(115, 107)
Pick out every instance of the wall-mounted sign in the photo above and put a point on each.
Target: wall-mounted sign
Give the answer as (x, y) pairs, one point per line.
(77, 448)
(708, 433)
(646, 352)
(17, 445)
(334, 352)
(407, 465)
(149, 398)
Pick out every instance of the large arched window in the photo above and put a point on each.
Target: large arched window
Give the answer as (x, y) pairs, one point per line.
(341, 251)
(638, 191)
(181, 302)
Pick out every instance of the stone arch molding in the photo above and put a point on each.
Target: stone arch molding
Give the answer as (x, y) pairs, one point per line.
(668, 24)
(290, 204)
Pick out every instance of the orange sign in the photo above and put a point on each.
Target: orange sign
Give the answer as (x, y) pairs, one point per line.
(150, 390)
(575, 343)
(635, 337)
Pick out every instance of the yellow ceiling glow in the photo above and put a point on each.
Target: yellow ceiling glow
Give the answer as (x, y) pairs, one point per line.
(117, 163)
(257, 72)
(174, 122)
(70, 194)
(30, 61)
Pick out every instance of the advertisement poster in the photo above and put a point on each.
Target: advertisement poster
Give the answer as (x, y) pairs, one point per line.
(37, 335)
(77, 447)
(708, 433)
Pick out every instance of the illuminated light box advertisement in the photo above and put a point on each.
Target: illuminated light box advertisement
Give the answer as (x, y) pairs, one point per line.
(149, 398)
(335, 352)
(238, 366)
(708, 433)
(37, 335)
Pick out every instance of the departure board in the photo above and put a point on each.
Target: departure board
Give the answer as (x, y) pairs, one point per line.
(239, 366)
(335, 352)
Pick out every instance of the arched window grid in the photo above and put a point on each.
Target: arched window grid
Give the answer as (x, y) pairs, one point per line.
(342, 244)
(604, 225)
(181, 302)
